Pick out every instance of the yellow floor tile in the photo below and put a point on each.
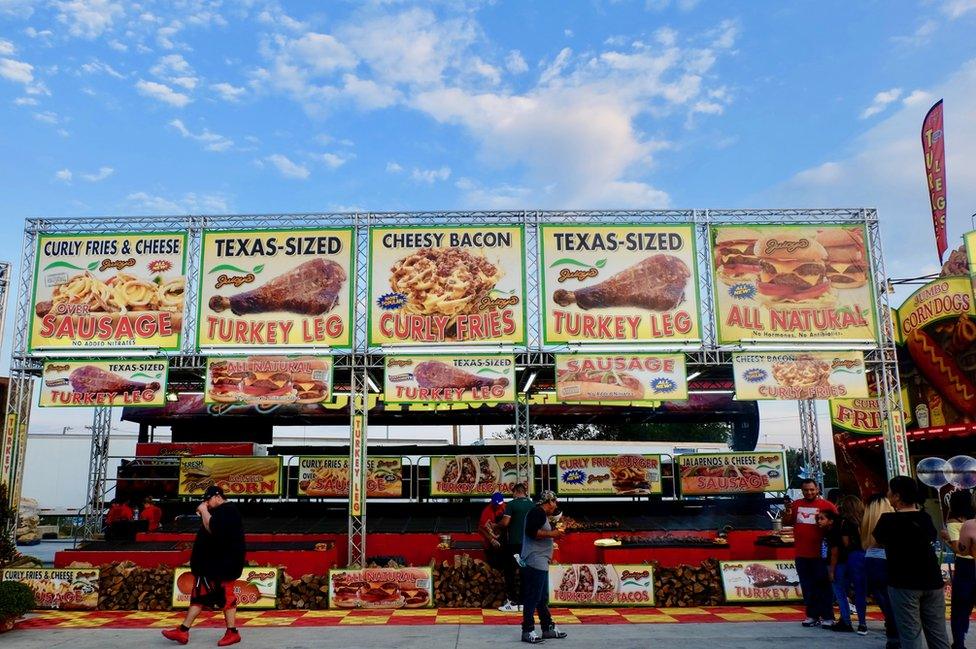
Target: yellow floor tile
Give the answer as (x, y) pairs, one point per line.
(415, 612)
(744, 617)
(365, 619)
(648, 618)
(684, 611)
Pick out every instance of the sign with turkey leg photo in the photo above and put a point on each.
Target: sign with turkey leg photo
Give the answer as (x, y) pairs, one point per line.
(621, 283)
(760, 581)
(276, 289)
(439, 378)
(121, 382)
(460, 284)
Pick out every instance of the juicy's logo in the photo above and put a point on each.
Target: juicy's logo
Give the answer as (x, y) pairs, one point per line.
(629, 574)
(789, 245)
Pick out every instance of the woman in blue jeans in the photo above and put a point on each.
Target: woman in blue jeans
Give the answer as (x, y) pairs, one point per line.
(964, 570)
(876, 565)
(846, 561)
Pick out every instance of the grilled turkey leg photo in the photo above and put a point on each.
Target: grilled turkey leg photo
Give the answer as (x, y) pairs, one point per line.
(656, 283)
(435, 374)
(311, 288)
(89, 378)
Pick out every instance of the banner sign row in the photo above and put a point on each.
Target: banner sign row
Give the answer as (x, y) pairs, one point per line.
(446, 285)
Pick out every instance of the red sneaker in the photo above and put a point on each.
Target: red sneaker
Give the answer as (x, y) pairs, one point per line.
(177, 635)
(230, 637)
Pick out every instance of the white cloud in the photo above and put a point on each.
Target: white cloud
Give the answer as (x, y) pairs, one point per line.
(47, 116)
(88, 18)
(17, 8)
(17, 71)
(367, 93)
(275, 17)
(725, 34)
(118, 45)
(489, 72)
(555, 69)
(95, 67)
(25, 101)
(162, 92)
(287, 168)
(175, 69)
(922, 34)
(880, 102)
(64, 175)
(322, 53)
(228, 92)
(98, 176)
(393, 167)
(957, 8)
(568, 33)
(430, 176)
(917, 97)
(210, 141)
(332, 160)
(38, 33)
(6, 48)
(164, 35)
(515, 64)
(883, 168)
(189, 203)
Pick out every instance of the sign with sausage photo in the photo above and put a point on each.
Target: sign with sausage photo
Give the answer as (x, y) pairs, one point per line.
(598, 584)
(460, 284)
(269, 380)
(122, 382)
(381, 588)
(108, 291)
(276, 288)
(760, 581)
(619, 283)
(328, 477)
(786, 282)
(473, 475)
(237, 476)
(608, 475)
(709, 474)
(623, 378)
(794, 376)
(67, 589)
(256, 589)
(439, 378)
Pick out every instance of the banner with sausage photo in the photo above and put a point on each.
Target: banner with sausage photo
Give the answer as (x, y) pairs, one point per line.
(442, 378)
(709, 474)
(608, 475)
(760, 581)
(473, 475)
(619, 283)
(381, 588)
(598, 584)
(328, 477)
(620, 378)
(276, 288)
(795, 376)
(84, 384)
(256, 589)
(938, 330)
(108, 291)
(460, 284)
(792, 282)
(67, 589)
(237, 476)
(269, 380)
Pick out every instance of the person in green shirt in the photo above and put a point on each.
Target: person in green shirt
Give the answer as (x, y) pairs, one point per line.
(514, 521)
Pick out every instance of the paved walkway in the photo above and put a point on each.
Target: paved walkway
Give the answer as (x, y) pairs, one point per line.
(719, 635)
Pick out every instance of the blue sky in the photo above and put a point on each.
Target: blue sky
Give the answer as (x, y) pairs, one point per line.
(202, 106)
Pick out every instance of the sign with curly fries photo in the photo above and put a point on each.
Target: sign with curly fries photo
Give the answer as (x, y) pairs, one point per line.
(793, 376)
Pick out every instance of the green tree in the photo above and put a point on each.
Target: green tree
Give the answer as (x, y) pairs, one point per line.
(794, 465)
(630, 432)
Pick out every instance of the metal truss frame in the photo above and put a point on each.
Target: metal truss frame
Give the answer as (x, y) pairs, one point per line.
(190, 364)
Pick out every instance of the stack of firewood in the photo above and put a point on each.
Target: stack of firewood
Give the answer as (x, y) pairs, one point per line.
(468, 583)
(688, 585)
(126, 587)
(307, 592)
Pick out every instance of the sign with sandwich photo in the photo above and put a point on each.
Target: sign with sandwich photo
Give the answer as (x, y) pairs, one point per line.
(786, 282)
(268, 380)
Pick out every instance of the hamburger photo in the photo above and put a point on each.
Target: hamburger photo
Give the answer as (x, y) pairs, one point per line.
(793, 268)
(847, 265)
(225, 385)
(735, 255)
(311, 386)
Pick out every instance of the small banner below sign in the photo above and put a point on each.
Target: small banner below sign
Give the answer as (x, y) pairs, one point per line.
(620, 378)
(65, 589)
(794, 376)
(760, 581)
(86, 384)
(257, 588)
(598, 584)
(381, 588)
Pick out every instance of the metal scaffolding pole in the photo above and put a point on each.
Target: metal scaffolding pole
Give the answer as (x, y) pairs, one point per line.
(359, 401)
(810, 440)
(101, 430)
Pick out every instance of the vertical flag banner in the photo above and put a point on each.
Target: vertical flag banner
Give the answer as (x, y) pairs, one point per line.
(933, 147)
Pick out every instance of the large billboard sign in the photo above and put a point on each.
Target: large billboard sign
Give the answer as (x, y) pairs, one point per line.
(445, 285)
(276, 289)
(108, 291)
(619, 283)
(795, 283)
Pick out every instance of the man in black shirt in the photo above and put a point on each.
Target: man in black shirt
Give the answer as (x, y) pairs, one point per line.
(216, 562)
(914, 575)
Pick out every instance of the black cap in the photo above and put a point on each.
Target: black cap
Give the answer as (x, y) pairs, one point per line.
(213, 490)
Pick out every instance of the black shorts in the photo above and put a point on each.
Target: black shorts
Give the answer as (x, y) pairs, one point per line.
(212, 594)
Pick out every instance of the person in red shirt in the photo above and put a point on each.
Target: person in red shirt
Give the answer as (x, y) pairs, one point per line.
(151, 513)
(811, 564)
(491, 526)
(118, 511)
